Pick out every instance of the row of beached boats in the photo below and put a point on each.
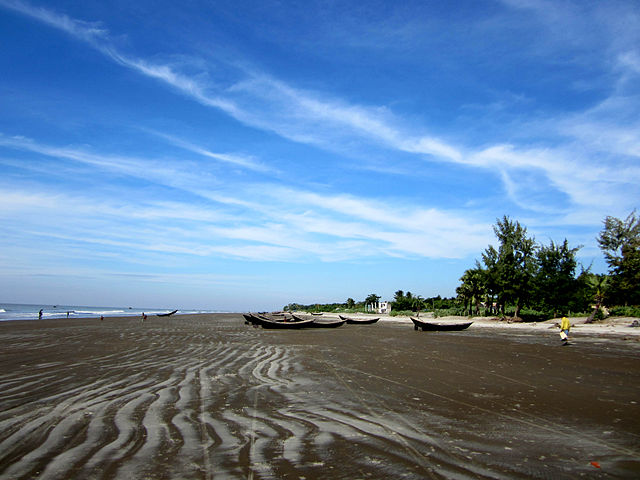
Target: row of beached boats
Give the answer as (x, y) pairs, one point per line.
(279, 320)
(293, 321)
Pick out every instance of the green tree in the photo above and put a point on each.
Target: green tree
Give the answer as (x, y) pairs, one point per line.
(555, 280)
(351, 303)
(490, 279)
(620, 243)
(514, 266)
(372, 299)
(472, 289)
(417, 304)
(401, 301)
(598, 285)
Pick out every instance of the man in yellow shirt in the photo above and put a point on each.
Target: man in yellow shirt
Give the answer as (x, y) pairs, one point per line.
(565, 326)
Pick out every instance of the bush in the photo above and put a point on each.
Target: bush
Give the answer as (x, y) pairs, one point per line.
(531, 315)
(625, 311)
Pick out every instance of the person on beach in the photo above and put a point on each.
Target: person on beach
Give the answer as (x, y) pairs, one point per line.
(101, 317)
(40, 315)
(565, 326)
(144, 316)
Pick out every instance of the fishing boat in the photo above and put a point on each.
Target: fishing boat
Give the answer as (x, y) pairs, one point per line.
(438, 327)
(249, 319)
(328, 323)
(322, 323)
(265, 322)
(359, 321)
(166, 314)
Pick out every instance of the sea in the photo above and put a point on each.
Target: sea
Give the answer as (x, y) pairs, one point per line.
(23, 311)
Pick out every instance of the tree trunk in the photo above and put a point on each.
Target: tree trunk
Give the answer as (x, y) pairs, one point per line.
(593, 314)
(516, 314)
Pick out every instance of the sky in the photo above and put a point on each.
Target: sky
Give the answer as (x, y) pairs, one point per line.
(242, 155)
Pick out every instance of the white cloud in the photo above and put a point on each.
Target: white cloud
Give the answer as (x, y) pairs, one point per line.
(304, 116)
(572, 166)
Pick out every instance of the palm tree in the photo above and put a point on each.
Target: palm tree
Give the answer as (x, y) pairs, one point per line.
(472, 289)
(598, 284)
(417, 304)
(372, 299)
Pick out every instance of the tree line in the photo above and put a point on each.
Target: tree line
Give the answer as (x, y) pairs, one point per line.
(521, 273)
(523, 279)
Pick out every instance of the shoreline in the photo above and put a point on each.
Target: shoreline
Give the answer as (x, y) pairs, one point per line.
(614, 327)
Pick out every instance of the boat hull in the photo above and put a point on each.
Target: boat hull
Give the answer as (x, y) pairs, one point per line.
(280, 324)
(354, 321)
(439, 327)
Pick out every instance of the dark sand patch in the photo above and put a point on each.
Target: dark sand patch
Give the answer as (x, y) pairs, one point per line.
(205, 396)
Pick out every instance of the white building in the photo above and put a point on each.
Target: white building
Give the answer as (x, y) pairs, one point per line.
(379, 307)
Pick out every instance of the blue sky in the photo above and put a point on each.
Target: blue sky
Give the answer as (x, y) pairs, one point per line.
(240, 155)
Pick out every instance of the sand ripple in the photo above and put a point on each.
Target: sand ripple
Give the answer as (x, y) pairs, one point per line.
(212, 401)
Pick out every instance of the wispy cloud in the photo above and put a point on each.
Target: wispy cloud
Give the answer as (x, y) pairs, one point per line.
(87, 31)
(309, 117)
(570, 167)
(243, 161)
(280, 223)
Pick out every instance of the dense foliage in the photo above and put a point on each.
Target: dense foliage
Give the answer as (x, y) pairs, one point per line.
(530, 281)
(520, 273)
(620, 243)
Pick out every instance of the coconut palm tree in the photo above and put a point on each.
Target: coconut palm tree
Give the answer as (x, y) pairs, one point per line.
(598, 284)
(372, 299)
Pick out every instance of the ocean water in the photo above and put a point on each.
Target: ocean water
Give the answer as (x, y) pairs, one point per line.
(22, 311)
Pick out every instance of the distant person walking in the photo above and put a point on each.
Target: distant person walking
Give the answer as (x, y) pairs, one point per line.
(565, 326)
(40, 315)
(144, 316)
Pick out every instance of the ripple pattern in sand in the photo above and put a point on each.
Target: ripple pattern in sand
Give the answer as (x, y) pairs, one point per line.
(218, 401)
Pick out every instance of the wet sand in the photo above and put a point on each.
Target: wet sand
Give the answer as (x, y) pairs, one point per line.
(206, 396)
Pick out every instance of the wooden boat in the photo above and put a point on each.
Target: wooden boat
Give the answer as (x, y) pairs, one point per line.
(265, 322)
(438, 327)
(314, 313)
(249, 319)
(166, 314)
(358, 321)
(323, 323)
(328, 323)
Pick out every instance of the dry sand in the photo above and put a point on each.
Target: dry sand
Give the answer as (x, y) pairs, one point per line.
(205, 396)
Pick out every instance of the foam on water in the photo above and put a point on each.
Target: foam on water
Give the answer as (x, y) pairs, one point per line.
(23, 311)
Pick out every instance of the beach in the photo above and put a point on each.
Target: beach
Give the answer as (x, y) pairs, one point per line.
(206, 396)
